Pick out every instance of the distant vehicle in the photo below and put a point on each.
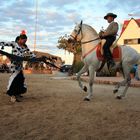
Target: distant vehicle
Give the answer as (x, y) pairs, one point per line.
(4, 68)
(65, 68)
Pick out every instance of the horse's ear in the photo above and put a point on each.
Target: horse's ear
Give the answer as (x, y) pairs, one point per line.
(81, 22)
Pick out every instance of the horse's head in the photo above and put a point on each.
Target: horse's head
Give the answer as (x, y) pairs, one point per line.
(83, 34)
(76, 35)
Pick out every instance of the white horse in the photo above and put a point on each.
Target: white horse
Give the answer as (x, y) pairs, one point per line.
(89, 40)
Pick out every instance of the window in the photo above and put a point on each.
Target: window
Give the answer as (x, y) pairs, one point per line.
(132, 41)
(139, 41)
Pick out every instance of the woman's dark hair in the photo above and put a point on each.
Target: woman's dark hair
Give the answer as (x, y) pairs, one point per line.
(17, 39)
(23, 36)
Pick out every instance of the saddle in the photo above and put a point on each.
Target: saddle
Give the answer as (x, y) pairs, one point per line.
(115, 51)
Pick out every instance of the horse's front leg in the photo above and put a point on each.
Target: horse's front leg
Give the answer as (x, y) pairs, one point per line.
(83, 70)
(91, 80)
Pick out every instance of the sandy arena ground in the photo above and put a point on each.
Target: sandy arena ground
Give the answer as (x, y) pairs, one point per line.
(53, 109)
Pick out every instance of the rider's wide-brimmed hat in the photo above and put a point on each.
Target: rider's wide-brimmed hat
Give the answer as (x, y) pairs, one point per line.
(110, 15)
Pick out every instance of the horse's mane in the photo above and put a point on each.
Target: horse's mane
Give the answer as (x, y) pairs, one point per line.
(91, 28)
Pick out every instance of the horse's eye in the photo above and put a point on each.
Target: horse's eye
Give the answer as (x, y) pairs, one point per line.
(75, 30)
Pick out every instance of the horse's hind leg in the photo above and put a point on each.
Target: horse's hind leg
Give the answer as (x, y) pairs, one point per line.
(122, 83)
(83, 70)
(126, 82)
(116, 88)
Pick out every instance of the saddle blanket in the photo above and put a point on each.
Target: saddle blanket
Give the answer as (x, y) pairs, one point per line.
(116, 53)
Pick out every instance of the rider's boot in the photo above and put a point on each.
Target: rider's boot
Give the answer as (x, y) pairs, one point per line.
(111, 64)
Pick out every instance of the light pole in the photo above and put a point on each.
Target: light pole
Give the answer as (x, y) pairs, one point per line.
(36, 16)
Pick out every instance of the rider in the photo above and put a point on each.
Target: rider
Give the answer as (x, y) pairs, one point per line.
(110, 36)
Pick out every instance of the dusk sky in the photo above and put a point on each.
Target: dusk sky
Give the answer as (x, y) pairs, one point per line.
(56, 18)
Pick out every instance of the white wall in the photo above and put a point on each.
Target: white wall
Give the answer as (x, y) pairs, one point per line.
(132, 31)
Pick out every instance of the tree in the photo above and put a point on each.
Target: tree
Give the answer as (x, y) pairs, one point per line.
(73, 48)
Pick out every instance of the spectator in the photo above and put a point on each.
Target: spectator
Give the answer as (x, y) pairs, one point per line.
(136, 72)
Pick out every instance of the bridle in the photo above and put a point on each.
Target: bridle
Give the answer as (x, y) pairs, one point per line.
(78, 32)
(80, 42)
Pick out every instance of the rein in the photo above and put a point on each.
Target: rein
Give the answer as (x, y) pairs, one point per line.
(80, 42)
(85, 42)
(90, 40)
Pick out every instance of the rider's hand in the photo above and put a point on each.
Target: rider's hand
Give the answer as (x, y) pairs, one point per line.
(104, 34)
(101, 34)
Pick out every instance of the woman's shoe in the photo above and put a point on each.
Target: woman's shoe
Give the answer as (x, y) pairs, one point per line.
(13, 99)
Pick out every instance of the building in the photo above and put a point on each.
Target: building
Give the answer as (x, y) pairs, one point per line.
(58, 60)
(40, 67)
(130, 34)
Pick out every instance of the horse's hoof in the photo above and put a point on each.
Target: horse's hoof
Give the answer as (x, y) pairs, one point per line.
(118, 97)
(115, 91)
(85, 88)
(86, 99)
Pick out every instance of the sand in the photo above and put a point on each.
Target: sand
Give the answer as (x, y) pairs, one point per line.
(53, 109)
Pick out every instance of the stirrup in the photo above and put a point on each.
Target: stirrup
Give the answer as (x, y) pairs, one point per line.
(111, 65)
